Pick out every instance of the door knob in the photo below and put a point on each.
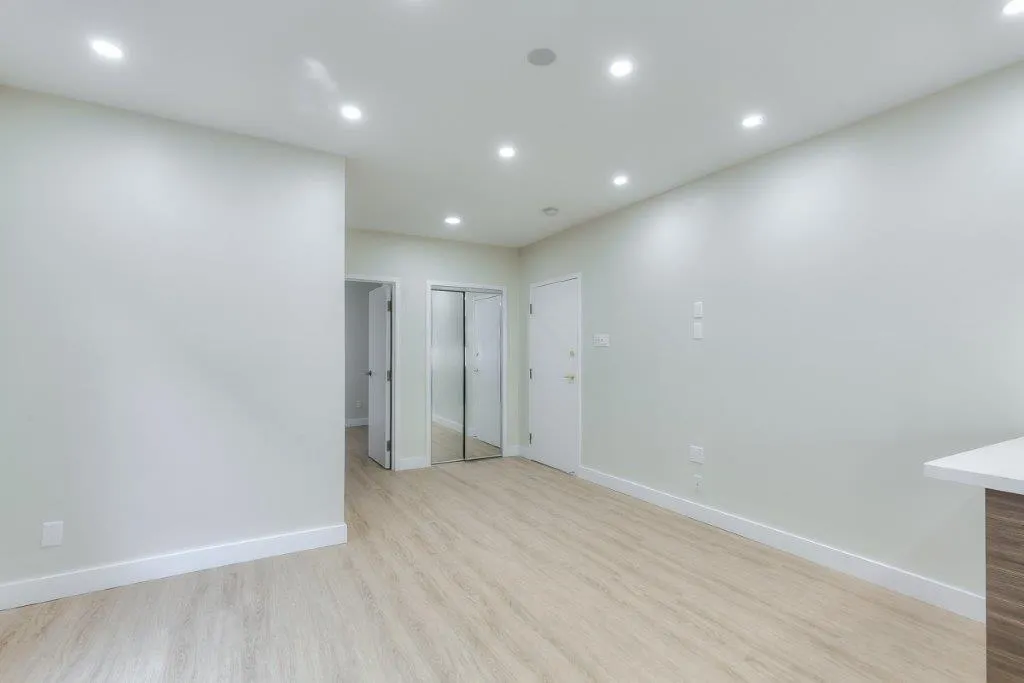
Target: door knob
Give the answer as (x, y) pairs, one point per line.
(570, 378)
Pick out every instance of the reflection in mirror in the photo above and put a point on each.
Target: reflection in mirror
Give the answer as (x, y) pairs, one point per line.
(447, 363)
(483, 375)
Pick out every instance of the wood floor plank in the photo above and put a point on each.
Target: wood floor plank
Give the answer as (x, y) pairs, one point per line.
(500, 570)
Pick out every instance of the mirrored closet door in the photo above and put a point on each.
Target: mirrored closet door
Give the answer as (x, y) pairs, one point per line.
(466, 374)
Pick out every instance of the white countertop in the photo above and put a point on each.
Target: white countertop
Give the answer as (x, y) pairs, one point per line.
(999, 467)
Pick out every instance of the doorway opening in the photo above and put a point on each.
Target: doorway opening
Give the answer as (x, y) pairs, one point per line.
(467, 358)
(371, 368)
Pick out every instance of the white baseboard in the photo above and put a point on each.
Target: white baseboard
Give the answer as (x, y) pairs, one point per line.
(412, 464)
(450, 424)
(357, 422)
(81, 581)
(927, 590)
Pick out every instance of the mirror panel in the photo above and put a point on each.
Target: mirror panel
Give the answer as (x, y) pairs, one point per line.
(483, 375)
(447, 363)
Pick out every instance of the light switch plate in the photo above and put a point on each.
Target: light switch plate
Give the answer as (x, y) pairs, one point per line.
(698, 330)
(602, 340)
(697, 454)
(53, 534)
(698, 309)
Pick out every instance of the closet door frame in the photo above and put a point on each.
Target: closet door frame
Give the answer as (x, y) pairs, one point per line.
(467, 287)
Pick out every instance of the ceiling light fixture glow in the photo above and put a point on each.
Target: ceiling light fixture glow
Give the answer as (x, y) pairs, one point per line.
(620, 180)
(106, 49)
(621, 68)
(453, 220)
(351, 112)
(753, 121)
(1014, 8)
(507, 152)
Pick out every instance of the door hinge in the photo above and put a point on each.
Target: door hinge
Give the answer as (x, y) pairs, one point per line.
(389, 307)
(531, 373)
(531, 309)
(389, 445)
(531, 439)
(389, 375)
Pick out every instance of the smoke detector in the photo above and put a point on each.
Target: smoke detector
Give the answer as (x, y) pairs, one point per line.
(541, 57)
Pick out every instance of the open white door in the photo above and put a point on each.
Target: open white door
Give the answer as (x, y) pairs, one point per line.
(484, 408)
(554, 347)
(380, 376)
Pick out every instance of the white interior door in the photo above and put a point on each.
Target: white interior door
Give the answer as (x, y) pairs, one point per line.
(554, 347)
(485, 366)
(380, 376)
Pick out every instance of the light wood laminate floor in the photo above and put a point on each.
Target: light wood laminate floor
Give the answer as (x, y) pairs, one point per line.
(499, 570)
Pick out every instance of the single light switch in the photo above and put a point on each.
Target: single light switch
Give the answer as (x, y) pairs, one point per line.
(698, 330)
(602, 340)
(698, 309)
(697, 454)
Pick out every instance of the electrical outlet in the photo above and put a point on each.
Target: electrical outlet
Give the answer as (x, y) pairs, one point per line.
(698, 330)
(698, 483)
(697, 454)
(53, 534)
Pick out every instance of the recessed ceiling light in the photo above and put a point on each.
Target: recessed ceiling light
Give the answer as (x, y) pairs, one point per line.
(621, 68)
(1014, 8)
(551, 211)
(507, 152)
(106, 49)
(351, 112)
(753, 121)
(453, 220)
(620, 180)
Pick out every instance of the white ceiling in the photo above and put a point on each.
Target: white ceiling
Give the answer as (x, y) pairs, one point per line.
(443, 82)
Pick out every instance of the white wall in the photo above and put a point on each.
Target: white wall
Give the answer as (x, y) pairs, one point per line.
(172, 307)
(447, 358)
(357, 349)
(864, 299)
(416, 261)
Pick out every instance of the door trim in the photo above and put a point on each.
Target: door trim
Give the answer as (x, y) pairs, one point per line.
(579, 372)
(396, 374)
(469, 287)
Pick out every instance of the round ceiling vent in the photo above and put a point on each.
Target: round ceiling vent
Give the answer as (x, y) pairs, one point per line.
(550, 211)
(541, 57)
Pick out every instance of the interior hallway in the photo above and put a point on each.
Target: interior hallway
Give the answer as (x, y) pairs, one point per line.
(502, 570)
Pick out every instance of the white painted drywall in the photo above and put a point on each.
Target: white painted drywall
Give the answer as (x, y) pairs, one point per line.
(357, 350)
(447, 358)
(172, 307)
(416, 261)
(864, 313)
